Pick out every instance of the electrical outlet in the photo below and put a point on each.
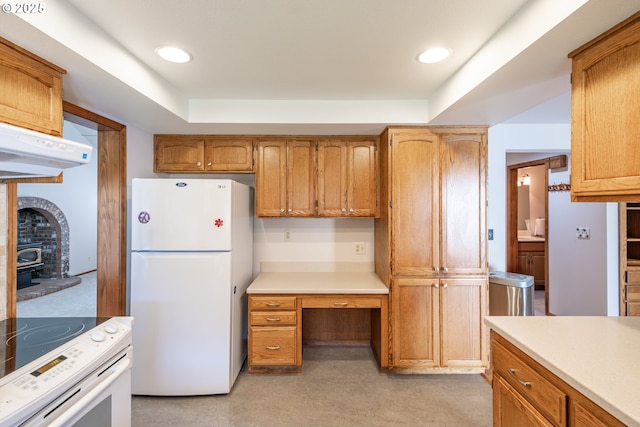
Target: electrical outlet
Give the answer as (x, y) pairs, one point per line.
(583, 232)
(491, 234)
(360, 248)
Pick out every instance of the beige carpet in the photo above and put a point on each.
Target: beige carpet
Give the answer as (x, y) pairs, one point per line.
(339, 386)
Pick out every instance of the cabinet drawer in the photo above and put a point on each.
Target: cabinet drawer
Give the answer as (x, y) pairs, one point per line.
(633, 276)
(272, 318)
(273, 346)
(633, 309)
(338, 301)
(633, 293)
(543, 395)
(275, 302)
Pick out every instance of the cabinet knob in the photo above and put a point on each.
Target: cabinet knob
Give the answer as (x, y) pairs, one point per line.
(290, 210)
(436, 269)
(351, 210)
(444, 285)
(445, 269)
(199, 164)
(344, 210)
(435, 285)
(282, 210)
(209, 163)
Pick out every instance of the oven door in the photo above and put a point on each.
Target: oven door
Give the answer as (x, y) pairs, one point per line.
(101, 399)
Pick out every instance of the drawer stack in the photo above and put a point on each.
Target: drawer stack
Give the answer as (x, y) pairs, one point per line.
(273, 333)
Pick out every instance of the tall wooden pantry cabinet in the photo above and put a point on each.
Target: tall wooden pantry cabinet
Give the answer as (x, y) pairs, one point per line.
(431, 247)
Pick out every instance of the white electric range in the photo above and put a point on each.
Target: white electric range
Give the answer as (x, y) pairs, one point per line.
(66, 371)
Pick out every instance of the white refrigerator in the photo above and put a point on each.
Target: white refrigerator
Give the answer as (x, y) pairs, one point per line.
(191, 264)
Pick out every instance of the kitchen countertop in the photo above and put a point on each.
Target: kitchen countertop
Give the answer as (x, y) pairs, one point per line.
(597, 356)
(317, 283)
(530, 239)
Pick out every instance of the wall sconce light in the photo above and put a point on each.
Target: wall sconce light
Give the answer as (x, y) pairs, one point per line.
(524, 180)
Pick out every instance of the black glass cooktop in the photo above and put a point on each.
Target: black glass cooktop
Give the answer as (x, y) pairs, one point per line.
(23, 340)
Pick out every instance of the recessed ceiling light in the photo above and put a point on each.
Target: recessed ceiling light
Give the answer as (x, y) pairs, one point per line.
(174, 54)
(435, 54)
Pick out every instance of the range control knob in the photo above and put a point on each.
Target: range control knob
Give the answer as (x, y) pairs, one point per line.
(110, 328)
(98, 336)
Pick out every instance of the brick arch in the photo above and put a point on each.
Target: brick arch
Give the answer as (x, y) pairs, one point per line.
(58, 221)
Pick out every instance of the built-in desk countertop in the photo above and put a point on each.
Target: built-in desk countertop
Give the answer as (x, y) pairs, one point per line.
(317, 283)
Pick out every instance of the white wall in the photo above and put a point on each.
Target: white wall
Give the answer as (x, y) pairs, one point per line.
(580, 276)
(577, 267)
(76, 196)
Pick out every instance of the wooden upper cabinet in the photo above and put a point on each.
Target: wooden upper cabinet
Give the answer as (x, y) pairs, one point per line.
(415, 219)
(285, 177)
(228, 154)
(347, 178)
(463, 203)
(605, 112)
(301, 172)
(30, 90)
(203, 153)
(271, 178)
(177, 153)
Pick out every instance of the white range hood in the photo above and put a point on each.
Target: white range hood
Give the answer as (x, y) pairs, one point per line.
(26, 154)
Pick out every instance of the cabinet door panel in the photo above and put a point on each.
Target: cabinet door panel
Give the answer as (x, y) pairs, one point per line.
(415, 331)
(415, 211)
(30, 90)
(363, 184)
(605, 99)
(271, 178)
(301, 166)
(463, 204)
(229, 155)
(177, 153)
(332, 178)
(463, 331)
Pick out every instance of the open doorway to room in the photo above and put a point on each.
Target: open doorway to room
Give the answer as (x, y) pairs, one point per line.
(57, 225)
(527, 213)
(110, 217)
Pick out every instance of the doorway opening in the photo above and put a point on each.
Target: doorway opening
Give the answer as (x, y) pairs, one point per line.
(111, 205)
(527, 222)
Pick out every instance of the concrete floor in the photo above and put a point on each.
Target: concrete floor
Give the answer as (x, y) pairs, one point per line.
(339, 386)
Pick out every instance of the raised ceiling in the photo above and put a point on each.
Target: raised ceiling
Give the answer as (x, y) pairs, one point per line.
(313, 66)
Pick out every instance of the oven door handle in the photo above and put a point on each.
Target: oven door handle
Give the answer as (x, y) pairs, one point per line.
(66, 413)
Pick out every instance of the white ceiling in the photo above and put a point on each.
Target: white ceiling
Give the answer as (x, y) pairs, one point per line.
(315, 66)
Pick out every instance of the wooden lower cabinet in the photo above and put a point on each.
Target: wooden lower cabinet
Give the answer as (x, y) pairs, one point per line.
(531, 261)
(437, 325)
(274, 333)
(527, 394)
